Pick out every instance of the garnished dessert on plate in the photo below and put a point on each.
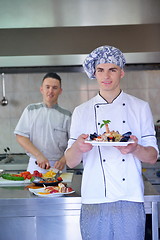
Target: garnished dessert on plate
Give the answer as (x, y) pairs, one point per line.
(110, 136)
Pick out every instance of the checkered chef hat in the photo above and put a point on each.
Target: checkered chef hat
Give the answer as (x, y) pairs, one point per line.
(103, 54)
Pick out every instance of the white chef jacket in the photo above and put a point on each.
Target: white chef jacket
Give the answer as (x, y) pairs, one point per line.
(108, 175)
(47, 128)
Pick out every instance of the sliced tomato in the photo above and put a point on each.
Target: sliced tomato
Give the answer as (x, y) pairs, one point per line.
(59, 179)
(54, 191)
(69, 189)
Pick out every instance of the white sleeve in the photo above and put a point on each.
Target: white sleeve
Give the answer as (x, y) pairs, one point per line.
(23, 126)
(148, 131)
(75, 129)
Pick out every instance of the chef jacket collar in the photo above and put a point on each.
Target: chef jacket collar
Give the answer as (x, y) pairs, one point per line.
(55, 106)
(117, 99)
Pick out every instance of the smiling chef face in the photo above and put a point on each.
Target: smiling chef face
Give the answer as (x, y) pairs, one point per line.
(108, 76)
(50, 89)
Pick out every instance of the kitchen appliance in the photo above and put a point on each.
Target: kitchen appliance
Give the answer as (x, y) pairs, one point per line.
(152, 173)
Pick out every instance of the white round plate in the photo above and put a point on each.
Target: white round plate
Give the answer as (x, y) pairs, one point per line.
(108, 144)
(14, 183)
(36, 192)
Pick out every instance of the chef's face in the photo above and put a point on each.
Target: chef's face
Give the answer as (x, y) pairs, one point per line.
(50, 89)
(108, 76)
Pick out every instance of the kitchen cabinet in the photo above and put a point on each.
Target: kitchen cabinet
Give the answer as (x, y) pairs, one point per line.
(40, 218)
(17, 228)
(26, 216)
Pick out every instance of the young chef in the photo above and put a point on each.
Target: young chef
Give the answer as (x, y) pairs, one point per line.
(112, 183)
(43, 129)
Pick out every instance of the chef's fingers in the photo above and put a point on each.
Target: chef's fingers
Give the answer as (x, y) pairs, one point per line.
(59, 165)
(134, 138)
(47, 166)
(43, 165)
(127, 149)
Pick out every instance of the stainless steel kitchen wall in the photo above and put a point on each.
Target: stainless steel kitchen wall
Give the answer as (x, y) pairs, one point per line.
(62, 13)
(73, 28)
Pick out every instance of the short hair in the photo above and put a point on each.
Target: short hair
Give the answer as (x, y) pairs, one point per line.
(52, 75)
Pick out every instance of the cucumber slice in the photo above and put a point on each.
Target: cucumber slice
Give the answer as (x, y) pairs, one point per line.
(10, 177)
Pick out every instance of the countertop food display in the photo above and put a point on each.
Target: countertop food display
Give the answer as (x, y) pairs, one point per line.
(24, 178)
(46, 217)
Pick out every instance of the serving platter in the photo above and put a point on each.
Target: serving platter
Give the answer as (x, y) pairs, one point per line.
(108, 144)
(13, 183)
(67, 178)
(46, 183)
(42, 190)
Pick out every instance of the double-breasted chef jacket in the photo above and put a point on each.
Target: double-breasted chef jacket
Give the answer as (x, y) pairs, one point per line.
(108, 175)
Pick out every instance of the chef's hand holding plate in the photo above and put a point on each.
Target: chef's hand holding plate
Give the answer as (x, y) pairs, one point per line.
(130, 148)
(80, 144)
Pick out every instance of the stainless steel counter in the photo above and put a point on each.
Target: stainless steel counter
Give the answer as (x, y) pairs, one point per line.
(151, 201)
(25, 216)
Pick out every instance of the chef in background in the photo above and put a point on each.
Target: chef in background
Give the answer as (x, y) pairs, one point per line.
(43, 128)
(112, 183)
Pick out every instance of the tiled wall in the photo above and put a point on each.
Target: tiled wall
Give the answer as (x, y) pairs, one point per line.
(23, 89)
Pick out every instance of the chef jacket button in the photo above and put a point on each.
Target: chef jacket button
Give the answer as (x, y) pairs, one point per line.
(123, 179)
(124, 104)
(97, 106)
(104, 160)
(123, 160)
(98, 123)
(124, 121)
